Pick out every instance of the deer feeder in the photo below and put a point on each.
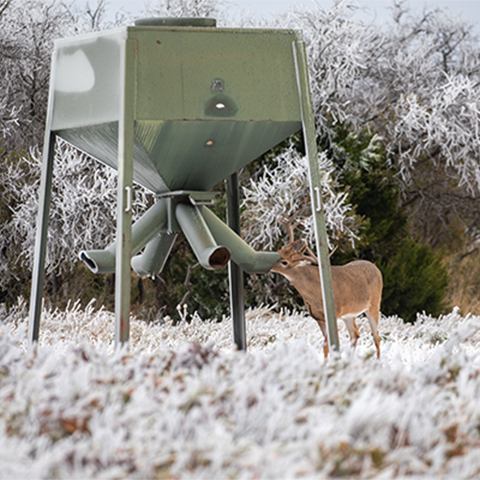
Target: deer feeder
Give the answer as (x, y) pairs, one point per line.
(177, 106)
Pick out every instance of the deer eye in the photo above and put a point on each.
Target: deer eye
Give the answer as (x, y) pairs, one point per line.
(284, 262)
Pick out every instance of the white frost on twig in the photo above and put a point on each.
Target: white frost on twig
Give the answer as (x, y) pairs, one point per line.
(284, 190)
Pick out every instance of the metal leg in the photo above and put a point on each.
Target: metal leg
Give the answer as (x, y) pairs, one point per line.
(235, 273)
(124, 207)
(315, 189)
(38, 275)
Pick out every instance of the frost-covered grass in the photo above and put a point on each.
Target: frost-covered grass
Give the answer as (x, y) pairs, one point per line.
(182, 403)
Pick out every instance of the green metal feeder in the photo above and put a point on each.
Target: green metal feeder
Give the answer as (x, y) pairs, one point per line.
(178, 105)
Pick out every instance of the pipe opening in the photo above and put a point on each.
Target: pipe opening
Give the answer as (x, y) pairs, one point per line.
(219, 258)
(99, 261)
(89, 262)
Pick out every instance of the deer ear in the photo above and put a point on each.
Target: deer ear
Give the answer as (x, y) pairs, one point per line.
(298, 246)
(304, 262)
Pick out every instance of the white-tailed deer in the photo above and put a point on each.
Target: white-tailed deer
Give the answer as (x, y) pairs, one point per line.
(357, 287)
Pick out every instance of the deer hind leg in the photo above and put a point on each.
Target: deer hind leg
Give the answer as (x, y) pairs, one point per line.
(373, 321)
(349, 321)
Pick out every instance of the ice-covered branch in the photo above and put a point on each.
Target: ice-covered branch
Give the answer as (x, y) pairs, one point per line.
(447, 124)
(284, 190)
(82, 212)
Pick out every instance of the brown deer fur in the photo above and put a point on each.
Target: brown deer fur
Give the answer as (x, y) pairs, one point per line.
(357, 289)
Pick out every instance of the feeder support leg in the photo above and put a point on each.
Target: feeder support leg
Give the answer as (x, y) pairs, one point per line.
(124, 197)
(308, 124)
(235, 273)
(38, 276)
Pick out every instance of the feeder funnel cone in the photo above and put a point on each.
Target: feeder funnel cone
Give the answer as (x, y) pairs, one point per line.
(208, 101)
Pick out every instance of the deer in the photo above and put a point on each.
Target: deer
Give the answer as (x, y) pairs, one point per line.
(357, 286)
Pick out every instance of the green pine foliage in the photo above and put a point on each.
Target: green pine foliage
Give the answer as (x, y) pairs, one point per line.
(415, 280)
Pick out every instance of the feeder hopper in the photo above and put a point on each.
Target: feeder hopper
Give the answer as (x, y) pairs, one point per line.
(177, 106)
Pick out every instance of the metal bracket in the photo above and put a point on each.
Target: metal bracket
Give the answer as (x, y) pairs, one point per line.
(129, 194)
(192, 196)
(319, 199)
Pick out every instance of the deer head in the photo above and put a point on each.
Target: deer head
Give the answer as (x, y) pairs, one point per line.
(293, 256)
(297, 253)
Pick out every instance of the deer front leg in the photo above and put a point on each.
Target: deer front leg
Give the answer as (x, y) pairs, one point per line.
(320, 319)
(321, 324)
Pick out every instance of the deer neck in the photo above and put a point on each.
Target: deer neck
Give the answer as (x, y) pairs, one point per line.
(306, 280)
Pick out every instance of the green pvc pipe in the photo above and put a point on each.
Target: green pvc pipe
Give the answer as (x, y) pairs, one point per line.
(144, 230)
(100, 261)
(243, 255)
(210, 255)
(152, 261)
(204, 231)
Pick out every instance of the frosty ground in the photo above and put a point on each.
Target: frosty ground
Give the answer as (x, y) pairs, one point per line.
(182, 403)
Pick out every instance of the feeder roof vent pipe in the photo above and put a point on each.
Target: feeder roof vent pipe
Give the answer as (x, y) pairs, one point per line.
(175, 22)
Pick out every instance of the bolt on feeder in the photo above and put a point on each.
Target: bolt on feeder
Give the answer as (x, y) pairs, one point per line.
(178, 105)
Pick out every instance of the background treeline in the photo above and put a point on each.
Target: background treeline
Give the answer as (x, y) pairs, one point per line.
(397, 109)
